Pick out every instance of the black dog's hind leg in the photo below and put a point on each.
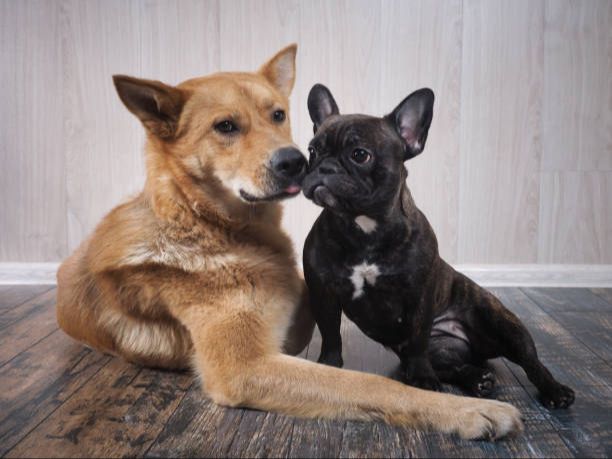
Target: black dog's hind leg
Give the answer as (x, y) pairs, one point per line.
(417, 371)
(454, 363)
(496, 332)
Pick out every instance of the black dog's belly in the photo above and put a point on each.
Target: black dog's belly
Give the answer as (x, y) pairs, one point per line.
(378, 310)
(387, 328)
(449, 324)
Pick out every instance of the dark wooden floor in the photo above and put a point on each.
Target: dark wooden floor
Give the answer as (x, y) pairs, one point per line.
(59, 398)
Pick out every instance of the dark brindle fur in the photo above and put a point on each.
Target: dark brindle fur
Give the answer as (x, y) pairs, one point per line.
(373, 254)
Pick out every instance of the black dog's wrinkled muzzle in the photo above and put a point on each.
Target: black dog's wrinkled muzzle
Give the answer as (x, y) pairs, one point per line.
(327, 183)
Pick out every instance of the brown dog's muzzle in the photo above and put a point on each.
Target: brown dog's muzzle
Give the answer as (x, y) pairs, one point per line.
(288, 164)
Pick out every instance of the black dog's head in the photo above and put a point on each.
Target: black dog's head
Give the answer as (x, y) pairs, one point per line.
(356, 163)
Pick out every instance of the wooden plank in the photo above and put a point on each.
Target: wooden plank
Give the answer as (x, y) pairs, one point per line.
(103, 140)
(516, 300)
(582, 312)
(189, 28)
(198, 428)
(33, 175)
(501, 98)
(39, 380)
(319, 24)
(593, 329)
(26, 325)
(434, 178)
(119, 412)
(553, 300)
(572, 196)
(36, 304)
(371, 439)
(605, 293)
(577, 105)
(567, 355)
(318, 438)
(586, 426)
(262, 434)
(539, 438)
(15, 295)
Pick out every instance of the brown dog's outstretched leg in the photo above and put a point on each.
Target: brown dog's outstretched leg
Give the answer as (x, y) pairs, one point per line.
(241, 366)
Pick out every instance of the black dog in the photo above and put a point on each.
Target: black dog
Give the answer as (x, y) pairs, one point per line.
(373, 254)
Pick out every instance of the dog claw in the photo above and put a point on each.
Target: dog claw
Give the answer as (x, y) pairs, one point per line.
(559, 397)
(485, 385)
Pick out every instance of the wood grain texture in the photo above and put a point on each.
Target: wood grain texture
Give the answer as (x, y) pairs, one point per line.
(604, 293)
(103, 149)
(34, 387)
(409, 62)
(32, 176)
(577, 111)
(520, 147)
(62, 399)
(585, 199)
(119, 412)
(14, 295)
(25, 325)
(337, 43)
(501, 101)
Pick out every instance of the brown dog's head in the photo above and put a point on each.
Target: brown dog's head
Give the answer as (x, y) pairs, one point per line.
(230, 127)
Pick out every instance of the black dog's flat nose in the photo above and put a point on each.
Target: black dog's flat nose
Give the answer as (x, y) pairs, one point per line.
(288, 162)
(329, 167)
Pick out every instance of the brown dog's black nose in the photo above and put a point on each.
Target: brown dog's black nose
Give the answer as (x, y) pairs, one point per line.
(288, 162)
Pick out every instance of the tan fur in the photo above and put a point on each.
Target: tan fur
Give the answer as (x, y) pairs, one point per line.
(187, 272)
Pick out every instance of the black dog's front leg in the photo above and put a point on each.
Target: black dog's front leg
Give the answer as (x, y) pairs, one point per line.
(328, 320)
(416, 366)
(328, 314)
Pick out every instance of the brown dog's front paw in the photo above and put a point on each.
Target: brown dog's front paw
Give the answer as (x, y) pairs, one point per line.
(559, 396)
(488, 420)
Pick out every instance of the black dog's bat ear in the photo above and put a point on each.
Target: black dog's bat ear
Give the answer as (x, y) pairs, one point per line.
(321, 105)
(412, 118)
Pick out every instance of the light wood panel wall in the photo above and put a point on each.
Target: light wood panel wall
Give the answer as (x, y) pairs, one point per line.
(518, 165)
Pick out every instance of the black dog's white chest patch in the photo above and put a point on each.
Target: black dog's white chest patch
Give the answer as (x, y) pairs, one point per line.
(361, 274)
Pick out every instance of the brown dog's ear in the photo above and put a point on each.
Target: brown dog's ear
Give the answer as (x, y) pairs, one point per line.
(280, 70)
(156, 104)
(412, 118)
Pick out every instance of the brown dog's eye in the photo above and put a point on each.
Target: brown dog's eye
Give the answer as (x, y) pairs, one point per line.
(226, 127)
(360, 156)
(279, 116)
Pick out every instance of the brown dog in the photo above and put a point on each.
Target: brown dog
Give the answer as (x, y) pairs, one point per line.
(196, 269)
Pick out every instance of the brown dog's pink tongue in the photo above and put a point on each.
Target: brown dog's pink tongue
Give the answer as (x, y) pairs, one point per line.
(293, 189)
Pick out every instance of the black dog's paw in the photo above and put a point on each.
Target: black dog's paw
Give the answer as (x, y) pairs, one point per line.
(484, 384)
(558, 396)
(332, 359)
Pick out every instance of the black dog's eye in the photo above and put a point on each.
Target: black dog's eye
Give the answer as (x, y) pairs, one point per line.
(279, 116)
(360, 156)
(313, 154)
(226, 127)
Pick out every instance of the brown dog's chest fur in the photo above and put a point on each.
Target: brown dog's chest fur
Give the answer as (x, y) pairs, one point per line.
(158, 252)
